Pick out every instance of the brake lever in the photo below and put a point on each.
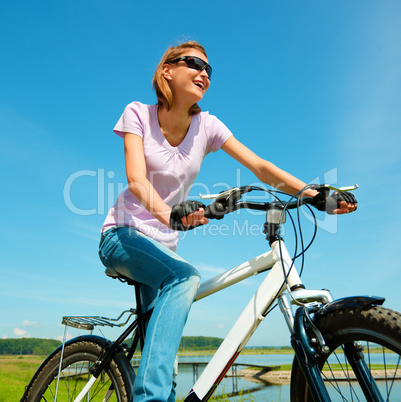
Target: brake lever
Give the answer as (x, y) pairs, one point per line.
(223, 194)
(226, 194)
(319, 187)
(349, 188)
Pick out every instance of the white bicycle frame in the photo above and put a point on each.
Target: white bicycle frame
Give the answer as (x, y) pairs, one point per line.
(271, 289)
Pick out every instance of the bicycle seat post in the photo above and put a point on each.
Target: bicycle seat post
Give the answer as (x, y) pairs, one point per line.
(142, 324)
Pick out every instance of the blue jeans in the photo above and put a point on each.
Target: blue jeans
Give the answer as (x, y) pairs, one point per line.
(168, 281)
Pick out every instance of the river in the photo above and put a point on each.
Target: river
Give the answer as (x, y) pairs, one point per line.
(260, 391)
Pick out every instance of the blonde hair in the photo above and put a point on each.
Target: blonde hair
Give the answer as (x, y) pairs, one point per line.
(161, 85)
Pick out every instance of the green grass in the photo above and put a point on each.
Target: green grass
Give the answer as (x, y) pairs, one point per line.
(224, 397)
(15, 374)
(246, 351)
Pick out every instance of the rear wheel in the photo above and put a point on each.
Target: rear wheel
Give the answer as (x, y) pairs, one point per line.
(78, 358)
(378, 331)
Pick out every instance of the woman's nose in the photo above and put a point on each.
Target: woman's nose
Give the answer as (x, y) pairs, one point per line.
(203, 73)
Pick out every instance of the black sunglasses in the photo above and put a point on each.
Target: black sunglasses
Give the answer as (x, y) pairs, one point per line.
(195, 63)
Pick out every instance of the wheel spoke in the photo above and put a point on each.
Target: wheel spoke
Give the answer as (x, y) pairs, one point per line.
(385, 370)
(78, 359)
(394, 378)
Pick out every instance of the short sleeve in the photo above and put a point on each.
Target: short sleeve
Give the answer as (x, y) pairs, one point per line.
(217, 133)
(131, 121)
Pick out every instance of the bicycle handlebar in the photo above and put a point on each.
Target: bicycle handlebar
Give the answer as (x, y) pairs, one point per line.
(217, 210)
(228, 201)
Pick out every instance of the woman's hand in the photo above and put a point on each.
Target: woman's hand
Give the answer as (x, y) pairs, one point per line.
(338, 203)
(345, 207)
(187, 215)
(195, 219)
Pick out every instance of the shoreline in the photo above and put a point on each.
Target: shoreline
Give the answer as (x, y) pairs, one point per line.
(280, 377)
(243, 352)
(277, 377)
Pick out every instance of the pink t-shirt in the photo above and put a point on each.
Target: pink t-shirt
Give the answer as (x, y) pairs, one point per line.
(171, 170)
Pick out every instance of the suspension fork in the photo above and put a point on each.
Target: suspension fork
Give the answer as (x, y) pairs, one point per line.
(307, 355)
(309, 349)
(354, 353)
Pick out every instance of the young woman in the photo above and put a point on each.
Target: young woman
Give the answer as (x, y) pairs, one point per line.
(164, 148)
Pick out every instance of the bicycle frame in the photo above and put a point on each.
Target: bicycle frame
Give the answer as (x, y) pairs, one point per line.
(279, 263)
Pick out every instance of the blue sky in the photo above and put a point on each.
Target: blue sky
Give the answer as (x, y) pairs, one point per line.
(313, 86)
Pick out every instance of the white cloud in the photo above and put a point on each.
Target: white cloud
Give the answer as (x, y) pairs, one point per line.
(85, 234)
(67, 337)
(83, 229)
(62, 299)
(208, 270)
(4, 337)
(27, 323)
(21, 333)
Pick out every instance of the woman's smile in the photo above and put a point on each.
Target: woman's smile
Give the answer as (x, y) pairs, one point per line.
(200, 84)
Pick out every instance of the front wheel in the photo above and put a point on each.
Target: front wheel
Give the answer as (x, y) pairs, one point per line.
(78, 358)
(378, 331)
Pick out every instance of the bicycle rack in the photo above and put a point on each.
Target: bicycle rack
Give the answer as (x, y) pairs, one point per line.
(90, 322)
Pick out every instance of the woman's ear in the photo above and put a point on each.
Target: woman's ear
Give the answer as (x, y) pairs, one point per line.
(166, 72)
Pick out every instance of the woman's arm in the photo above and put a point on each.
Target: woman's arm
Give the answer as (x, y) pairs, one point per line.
(265, 171)
(270, 174)
(138, 184)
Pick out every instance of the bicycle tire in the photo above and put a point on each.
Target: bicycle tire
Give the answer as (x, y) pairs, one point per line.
(78, 356)
(379, 331)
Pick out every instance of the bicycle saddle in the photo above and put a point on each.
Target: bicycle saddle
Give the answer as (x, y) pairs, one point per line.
(112, 273)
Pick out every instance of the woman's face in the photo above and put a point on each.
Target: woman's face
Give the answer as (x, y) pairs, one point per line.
(187, 83)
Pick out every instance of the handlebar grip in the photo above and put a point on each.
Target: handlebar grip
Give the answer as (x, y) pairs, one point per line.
(216, 210)
(328, 203)
(331, 204)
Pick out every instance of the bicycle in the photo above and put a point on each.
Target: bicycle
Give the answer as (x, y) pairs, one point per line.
(333, 340)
